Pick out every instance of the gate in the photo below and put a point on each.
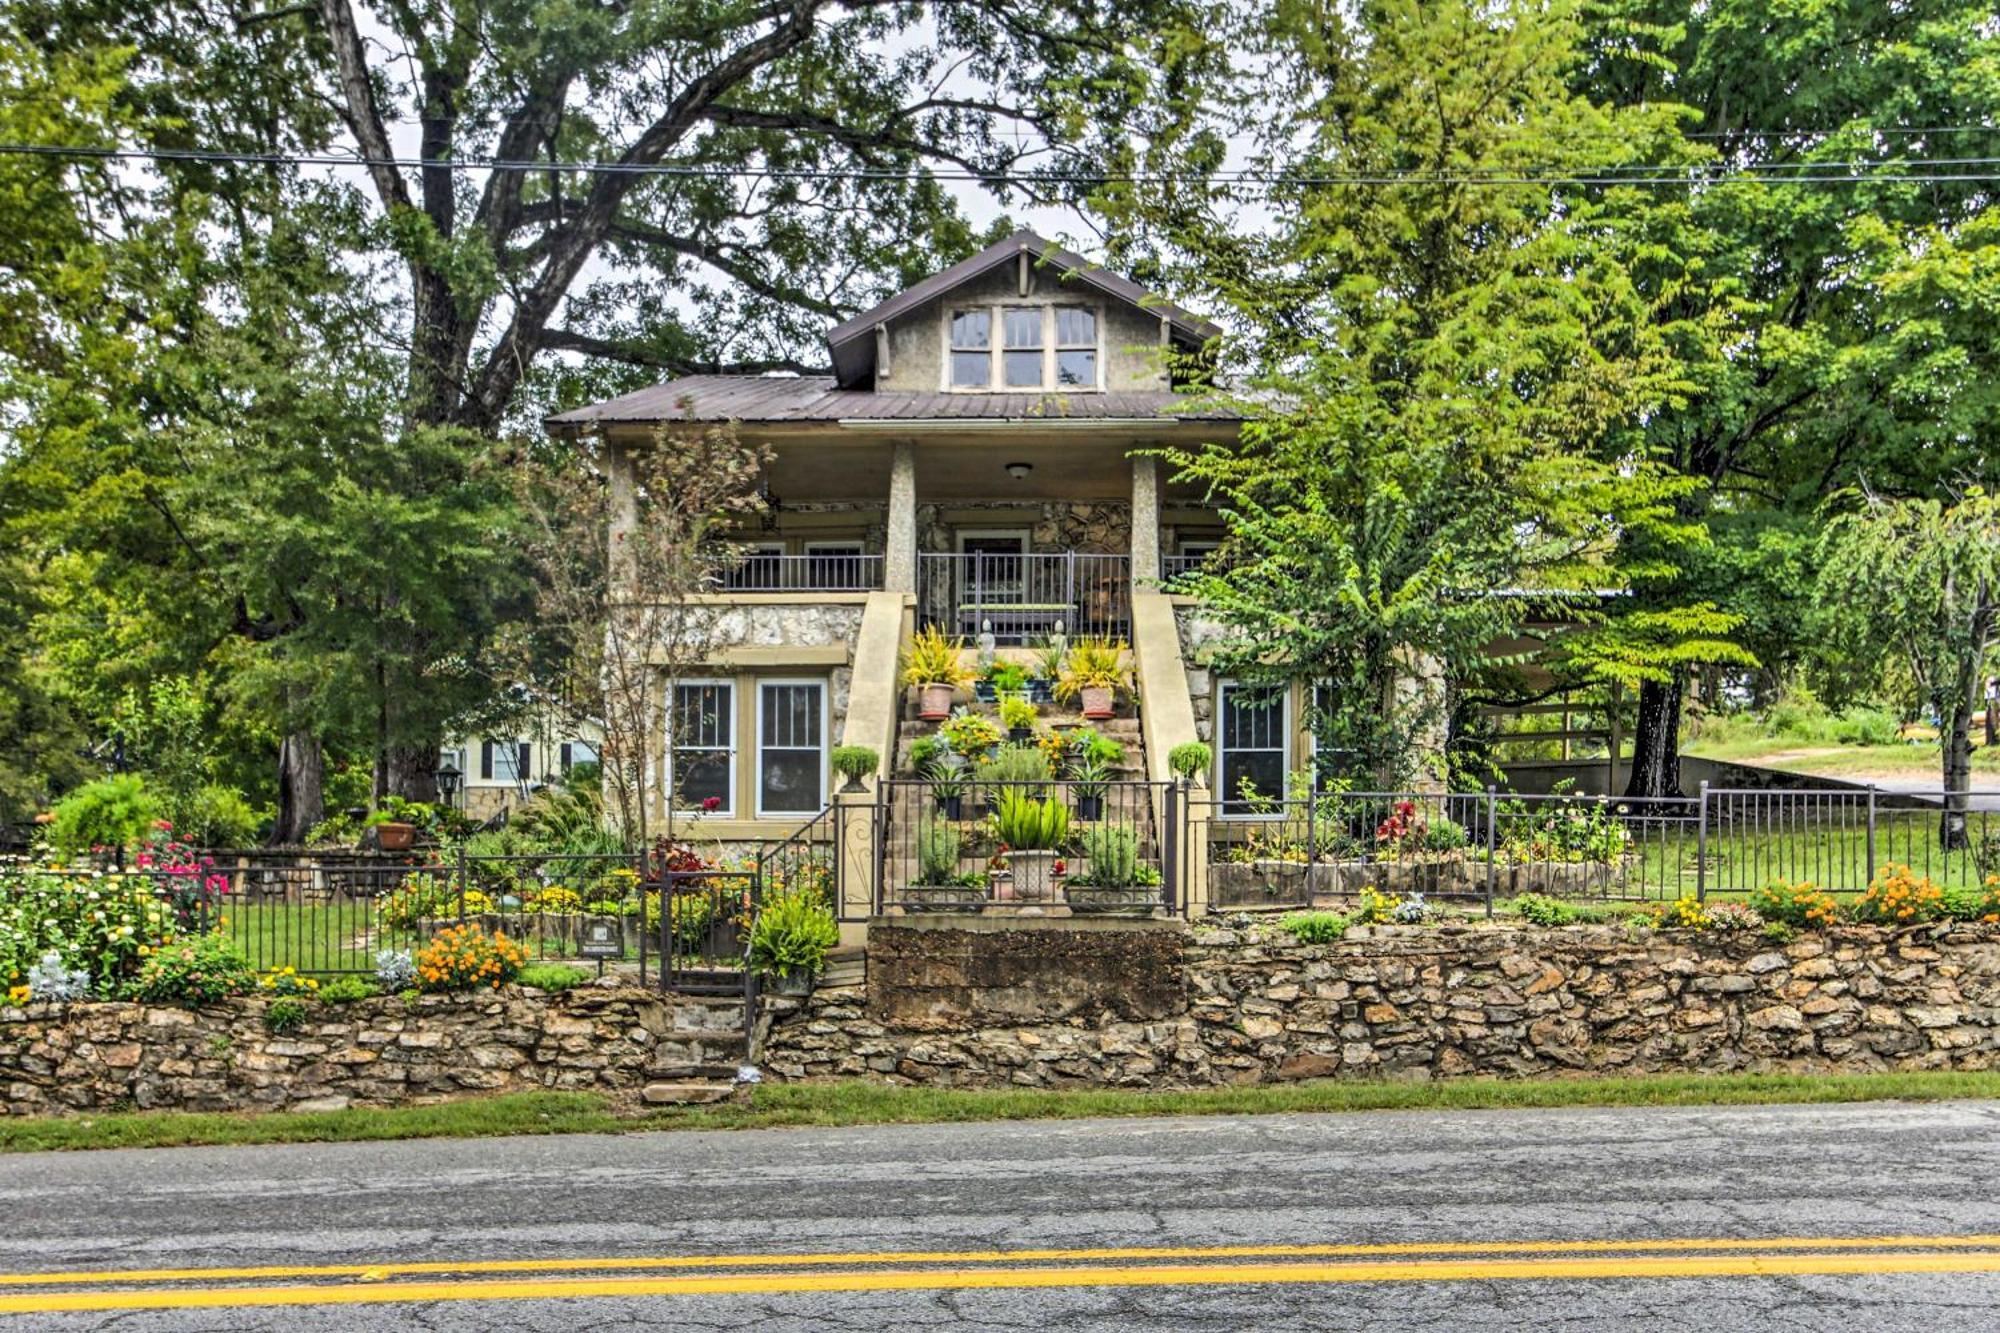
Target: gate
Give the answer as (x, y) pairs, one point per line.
(697, 925)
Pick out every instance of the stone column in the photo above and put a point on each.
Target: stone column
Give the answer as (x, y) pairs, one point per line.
(1145, 521)
(899, 550)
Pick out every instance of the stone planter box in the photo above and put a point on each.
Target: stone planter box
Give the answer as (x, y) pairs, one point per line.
(1136, 900)
(1562, 879)
(941, 898)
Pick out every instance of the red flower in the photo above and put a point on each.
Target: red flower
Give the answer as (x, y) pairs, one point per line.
(710, 804)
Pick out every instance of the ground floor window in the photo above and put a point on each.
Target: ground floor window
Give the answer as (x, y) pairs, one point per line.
(701, 724)
(571, 753)
(791, 747)
(1251, 726)
(505, 761)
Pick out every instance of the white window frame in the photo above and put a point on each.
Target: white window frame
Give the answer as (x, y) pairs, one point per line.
(1224, 796)
(757, 742)
(996, 344)
(728, 808)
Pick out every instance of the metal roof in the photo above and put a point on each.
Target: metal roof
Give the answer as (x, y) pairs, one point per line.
(806, 398)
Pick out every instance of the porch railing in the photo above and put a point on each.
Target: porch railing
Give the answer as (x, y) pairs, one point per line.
(1026, 597)
(804, 573)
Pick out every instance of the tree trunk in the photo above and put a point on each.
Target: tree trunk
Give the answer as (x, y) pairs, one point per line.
(1957, 726)
(1992, 717)
(301, 788)
(413, 771)
(1656, 739)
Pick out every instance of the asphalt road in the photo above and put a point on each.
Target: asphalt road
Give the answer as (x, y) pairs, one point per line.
(1608, 1219)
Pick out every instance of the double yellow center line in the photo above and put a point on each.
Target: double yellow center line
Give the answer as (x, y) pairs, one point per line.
(927, 1270)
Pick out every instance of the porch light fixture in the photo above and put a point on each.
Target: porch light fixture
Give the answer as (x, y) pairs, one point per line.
(772, 504)
(447, 782)
(1019, 471)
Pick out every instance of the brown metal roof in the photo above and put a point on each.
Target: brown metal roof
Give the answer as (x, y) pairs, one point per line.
(778, 398)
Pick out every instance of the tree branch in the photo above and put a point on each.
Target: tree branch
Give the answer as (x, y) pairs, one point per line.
(359, 108)
(570, 340)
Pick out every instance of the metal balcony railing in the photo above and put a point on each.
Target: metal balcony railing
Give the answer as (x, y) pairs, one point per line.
(1025, 597)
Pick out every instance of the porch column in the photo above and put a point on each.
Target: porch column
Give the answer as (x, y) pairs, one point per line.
(620, 474)
(899, 548)
(1145, 521)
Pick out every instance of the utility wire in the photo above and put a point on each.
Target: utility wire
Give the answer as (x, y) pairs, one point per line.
(1692, 175)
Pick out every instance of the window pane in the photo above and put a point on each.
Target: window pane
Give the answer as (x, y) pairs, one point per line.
(1024, 369)
(790, 781)
(1075, 327)
(1076, 368)
(701, 716)
(971, 329)
(1024, 328)
(701, 775)
(1251, 720)
(1264, 770)
(970, 370)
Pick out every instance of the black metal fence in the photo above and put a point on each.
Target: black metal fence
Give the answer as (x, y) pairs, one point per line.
(1493, 845)
(1107, 847)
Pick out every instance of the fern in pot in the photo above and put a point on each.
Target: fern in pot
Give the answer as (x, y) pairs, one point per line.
(791, 939)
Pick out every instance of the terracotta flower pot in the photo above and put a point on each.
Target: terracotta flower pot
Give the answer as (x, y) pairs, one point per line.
(1098, 701)
(395, 837)
(934, 702)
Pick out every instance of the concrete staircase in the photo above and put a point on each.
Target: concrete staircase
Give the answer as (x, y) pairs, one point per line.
(696, 1059)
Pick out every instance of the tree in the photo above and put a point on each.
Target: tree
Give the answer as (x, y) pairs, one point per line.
(1448, 374)
(624, 542)
(1812, 361)
(1921, 577)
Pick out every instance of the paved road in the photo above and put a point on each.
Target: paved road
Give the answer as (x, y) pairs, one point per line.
(1421, 1221)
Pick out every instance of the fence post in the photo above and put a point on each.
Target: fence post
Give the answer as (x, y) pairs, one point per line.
(1492, 845)
(461, 883)
(1868, 871)
(1701, 849)
(1169, 847)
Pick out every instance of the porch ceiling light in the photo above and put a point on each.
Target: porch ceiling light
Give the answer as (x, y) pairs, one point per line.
(1019, 470)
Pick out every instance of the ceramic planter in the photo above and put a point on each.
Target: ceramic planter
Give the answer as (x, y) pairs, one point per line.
(934, 702)
(1099, 701)
(1020, 735)
(1090, 807)
(1034, 875)
(395, 837)
(951, 807)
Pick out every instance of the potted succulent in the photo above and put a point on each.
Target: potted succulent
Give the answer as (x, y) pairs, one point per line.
(855, 762)
(945, 772)
(1189, 761)
(1033, 830)
(1090, 776)
(1019, 717)
(791, 939)
(933, 665)
(1093, 674)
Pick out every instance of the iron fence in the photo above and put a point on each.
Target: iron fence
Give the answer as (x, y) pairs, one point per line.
(1025, 597)
(1108, 847)
(812, 572)
(1492, 845)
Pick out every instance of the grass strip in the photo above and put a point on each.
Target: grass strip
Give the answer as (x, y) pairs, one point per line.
(859, 1103)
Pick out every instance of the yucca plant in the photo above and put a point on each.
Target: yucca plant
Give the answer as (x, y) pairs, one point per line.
(1027, 823)
(935, 658)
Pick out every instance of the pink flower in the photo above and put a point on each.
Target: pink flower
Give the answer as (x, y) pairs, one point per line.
(164, 825)
(711, 804)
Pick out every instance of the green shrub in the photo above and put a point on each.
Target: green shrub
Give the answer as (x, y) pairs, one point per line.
(218, 816)
(1189, 759)
(346, 990)
(1111, 856)
(198, 970)
(792, 936)
(1017, 714)
(284, 1015)
(556, 977)
(1015, 763)
(938, 848)
(855, 761)
(112, 812)
(421, 896)
(1965, 902)
(1315, 927)
(1446, 835)
(924, 752)
(970, 734)
(1541, 910)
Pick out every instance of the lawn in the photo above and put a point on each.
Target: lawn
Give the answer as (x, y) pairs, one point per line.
(345, 936)
(772, 1106)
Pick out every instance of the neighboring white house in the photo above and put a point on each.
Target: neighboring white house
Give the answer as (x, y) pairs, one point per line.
(504, 769)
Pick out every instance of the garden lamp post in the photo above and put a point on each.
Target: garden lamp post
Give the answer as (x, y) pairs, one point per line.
(447, 782)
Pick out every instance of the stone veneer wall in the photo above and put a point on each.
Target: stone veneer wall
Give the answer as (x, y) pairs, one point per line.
(1423, 1003)
(382, 1051)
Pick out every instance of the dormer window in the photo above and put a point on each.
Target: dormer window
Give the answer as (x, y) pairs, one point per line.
(1021, 362)
(1040, 348)
(1076, 347)
(971, 349)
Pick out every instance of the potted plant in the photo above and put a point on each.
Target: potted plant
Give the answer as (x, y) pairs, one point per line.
(945, 772)
(1112, 872)
(1000, 680)
(1189, 761)
(1012, 768)
(970, 734)
(940, 884)
(1033, 830)
(388, 833)
(1019, 717)
(1091, 775)
(933, 665)
(855, 762)
(1050, 656)
(1092, 676)
(790, 941)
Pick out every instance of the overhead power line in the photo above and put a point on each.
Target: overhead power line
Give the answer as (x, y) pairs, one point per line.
(1919, 170)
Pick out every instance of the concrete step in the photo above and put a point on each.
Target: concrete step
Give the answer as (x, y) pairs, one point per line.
(698, 1071)
(686, 1094)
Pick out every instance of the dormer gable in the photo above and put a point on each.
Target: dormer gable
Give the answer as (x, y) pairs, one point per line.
(1021, 316)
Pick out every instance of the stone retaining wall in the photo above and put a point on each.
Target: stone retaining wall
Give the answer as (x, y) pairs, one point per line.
(381, 1051)
(1441, 1002)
